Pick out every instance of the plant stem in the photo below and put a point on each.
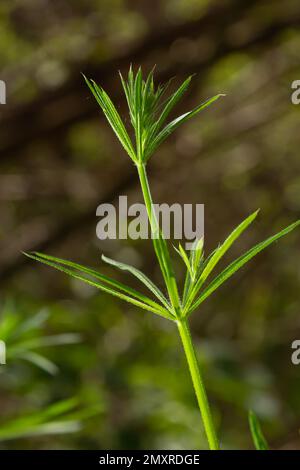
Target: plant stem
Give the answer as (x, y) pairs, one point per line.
(163, 257)
(199, 388)
(159, 243)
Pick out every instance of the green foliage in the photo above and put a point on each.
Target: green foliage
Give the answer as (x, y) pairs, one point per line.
(258, 438)
(148, 115)
(24, 339)
(239, 263)
(102, 282)
(62, 417)
(196, 273)
(141, 277)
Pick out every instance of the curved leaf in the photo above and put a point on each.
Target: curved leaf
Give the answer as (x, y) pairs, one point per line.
(218, 254)
(141, 276)
(173, 125)
(238, 263)
(131, 296)
(112, 116)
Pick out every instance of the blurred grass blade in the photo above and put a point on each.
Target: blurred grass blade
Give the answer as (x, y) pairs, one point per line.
(141, 276)
(46, 341)
(59, 408)
(39, 361)
(59, 418)
(238, 263)
(259, 440)
(185, 259)
(8, 325)
(32, 323)
(59, 427)
(105, 285)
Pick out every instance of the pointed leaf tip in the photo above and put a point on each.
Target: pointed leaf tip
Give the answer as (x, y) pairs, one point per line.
(240, 262)
(258, 438)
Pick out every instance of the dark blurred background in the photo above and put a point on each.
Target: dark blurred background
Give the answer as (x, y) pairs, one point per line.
(60, 160)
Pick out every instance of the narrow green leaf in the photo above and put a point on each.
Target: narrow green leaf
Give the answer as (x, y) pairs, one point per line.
(196, 254)
(161, 248)
(195, 260)
(259, 440)
(238, 263)
(184, 257)
(218, 254)
(173, 125)
(172, 101)
(170, 104)
(138, 113)
(112, 116)
(111, 282)
(140, 300)
(142, 277)
(126, 91)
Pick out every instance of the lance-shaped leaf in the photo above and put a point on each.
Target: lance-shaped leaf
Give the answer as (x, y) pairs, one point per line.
(112, 116)
(182, 253)
(173, 125)
(258, 438)
(195, 261)
(106, 284)
(218, 254)
(142, 277)
(169, 105)
(197, 254)
(238, 263)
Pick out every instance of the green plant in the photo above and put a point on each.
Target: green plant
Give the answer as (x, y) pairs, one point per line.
(64, 416)
(258, 438)
(24, 338)
(148, 115)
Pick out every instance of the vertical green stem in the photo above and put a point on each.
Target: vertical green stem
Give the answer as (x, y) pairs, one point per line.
(198, 384)
(159, 242)
(163, 257)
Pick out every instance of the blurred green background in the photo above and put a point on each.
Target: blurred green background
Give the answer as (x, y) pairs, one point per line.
(60, 160)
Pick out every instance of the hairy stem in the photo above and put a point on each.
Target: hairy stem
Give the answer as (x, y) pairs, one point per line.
(199, 388)
(163, 257)
(160, 245)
